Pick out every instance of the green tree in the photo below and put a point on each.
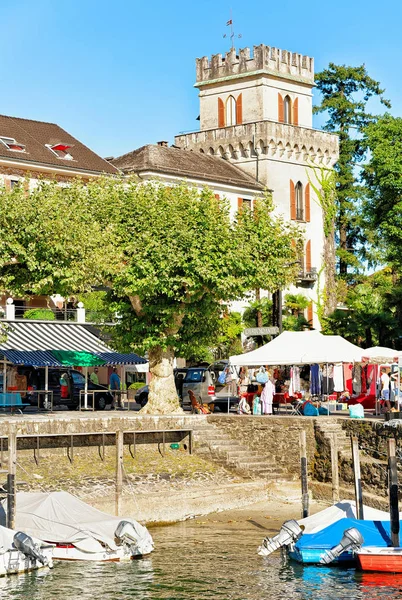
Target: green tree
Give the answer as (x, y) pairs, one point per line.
(178, 270)
(345, 93)
(383, 177)
(370, 314)
(50, 242)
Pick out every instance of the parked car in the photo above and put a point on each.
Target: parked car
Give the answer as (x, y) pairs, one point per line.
(71, 395)
(141, 395)
(203, 381)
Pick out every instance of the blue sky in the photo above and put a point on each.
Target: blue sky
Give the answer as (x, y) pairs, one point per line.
(120, 74)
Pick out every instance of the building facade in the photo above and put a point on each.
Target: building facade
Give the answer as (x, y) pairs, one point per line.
(172, 166)
(256, 112)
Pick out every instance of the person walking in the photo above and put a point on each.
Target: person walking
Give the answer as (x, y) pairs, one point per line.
(114, 385)
(94, 376)
(385, 388)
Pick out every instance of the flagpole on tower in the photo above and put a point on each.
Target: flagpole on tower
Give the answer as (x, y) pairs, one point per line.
(232, 32)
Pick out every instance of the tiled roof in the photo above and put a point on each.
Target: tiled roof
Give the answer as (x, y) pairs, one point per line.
(34, 135)
(184, 164)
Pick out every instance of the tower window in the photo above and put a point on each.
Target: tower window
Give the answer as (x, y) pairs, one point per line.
(230, 111)
(299, 201)
(287, 110)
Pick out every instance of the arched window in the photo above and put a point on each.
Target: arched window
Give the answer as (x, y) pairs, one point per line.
(287, 110)
(299, 201)
(230, 111)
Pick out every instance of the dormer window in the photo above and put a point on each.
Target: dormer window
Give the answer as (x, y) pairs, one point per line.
(12, 144)
(60, 150)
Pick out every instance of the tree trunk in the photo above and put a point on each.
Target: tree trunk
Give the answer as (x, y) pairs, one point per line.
(259, 313)
(330, 275)
(369, 337)
(163, 398)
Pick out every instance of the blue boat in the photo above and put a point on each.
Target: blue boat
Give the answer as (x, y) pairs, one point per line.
(311, 548)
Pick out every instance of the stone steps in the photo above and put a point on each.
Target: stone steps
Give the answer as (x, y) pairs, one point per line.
(328, 428)
(233, 455)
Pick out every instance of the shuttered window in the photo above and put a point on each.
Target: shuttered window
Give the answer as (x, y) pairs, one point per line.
(221, 113)
(239, 203)
(308, 257)
(292, 200)
(307, 202)
(310, 313)
(295, 119)
(281, 109)
(239, 109)
(287, 110)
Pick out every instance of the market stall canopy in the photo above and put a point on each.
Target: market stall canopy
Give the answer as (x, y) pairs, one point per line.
(380, 355)
(34, 358)
(37, 343)
(333, 349)
(72, 358)
(116, 358)
(300, 348)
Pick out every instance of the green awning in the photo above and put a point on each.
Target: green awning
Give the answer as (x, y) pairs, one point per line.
(77, 358)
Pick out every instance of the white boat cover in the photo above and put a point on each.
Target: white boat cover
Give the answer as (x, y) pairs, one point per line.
(300, 348)
(62, 518)
(345, 509)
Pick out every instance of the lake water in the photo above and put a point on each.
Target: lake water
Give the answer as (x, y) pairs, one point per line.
(199, 560)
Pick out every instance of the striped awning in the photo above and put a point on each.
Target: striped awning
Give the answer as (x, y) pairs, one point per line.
(116, 358)
(62, 335)
(32, 342)
(33, 358)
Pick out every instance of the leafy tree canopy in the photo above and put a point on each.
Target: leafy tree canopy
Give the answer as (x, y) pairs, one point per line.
(50, 241)
(383, 177)
(346, 92)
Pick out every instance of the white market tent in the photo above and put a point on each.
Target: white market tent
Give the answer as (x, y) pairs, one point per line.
(381, 355)
(300, 348)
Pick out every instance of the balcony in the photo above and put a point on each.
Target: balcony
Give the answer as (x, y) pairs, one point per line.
(307, 278)
(19, 311)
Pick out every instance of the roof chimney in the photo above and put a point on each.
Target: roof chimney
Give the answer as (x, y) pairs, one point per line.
(163, 144)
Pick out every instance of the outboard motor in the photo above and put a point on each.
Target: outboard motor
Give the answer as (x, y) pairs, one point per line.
(289, 533)
(125, 533)
(26, 545)
(352, 540)
(135, 536)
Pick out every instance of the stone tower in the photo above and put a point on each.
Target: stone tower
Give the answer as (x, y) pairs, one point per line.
(256, 111)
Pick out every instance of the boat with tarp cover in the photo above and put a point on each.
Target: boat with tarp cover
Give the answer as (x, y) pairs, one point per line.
(77, 530)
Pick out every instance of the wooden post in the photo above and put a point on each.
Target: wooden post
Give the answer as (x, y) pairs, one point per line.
(12, 468)
(303, 467)
(393, 492)
(334, 467)
(119, 470)
(357, 478)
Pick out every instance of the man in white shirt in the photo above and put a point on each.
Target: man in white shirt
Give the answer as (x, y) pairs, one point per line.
(385, 388)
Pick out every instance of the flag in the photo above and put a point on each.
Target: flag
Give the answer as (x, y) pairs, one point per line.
(230, 22)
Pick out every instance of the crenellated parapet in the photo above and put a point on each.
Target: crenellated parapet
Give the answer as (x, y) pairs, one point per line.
(264, 58)
(276, 141)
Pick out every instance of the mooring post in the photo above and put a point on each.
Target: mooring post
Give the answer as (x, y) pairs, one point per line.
(119, 470)
(393, 492)
(334, 467)
(303, 467)
(12, 468)
(357, 477)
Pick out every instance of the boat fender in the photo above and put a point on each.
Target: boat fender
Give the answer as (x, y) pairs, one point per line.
(289, 533)
(27, 546)
(352, 540)
(125, 533)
